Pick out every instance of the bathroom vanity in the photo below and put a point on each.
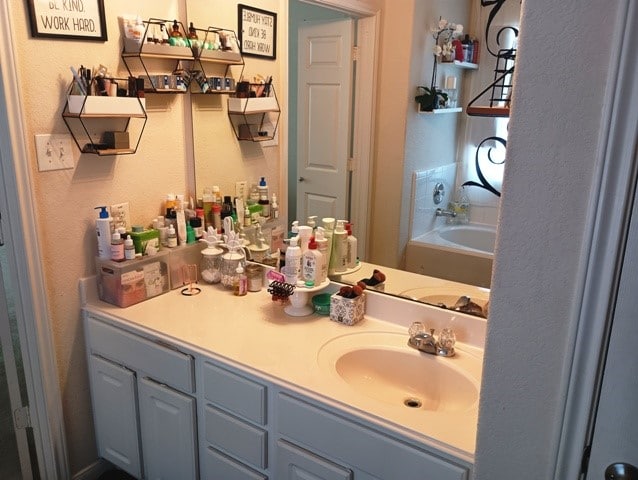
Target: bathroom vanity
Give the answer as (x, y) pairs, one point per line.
(220, 387)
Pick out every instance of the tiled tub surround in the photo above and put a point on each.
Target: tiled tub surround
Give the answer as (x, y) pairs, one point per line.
(254, 335)
(427, 252)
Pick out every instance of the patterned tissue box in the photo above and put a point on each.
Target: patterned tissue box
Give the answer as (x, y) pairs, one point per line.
(347, 310)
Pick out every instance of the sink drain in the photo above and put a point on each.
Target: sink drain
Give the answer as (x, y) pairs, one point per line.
(412, 402)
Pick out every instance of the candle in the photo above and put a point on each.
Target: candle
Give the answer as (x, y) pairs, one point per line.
(450, 83)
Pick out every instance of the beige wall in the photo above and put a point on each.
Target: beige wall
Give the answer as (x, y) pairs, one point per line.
(65, 199)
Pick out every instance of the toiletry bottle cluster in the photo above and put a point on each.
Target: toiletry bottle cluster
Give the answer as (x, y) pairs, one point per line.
(184, 223)
(316, 251)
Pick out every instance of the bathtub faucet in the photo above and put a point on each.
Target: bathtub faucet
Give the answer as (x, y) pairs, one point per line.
(445, 213)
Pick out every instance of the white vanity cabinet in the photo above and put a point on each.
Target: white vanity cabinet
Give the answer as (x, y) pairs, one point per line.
(143, 408)
(237, 425)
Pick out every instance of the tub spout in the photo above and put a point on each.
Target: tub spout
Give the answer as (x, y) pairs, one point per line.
(445, 213)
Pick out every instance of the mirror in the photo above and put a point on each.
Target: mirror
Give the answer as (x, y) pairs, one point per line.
(431, 148)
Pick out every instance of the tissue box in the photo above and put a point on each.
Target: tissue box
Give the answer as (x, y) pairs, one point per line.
(132, 281)
(143, 238)
(347, 310)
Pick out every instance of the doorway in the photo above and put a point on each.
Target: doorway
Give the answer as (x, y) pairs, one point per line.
(361, 105)
(16, 438)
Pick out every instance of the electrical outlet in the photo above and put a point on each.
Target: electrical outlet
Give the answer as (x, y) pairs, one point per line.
(121, 215)
(241, 189)
(54, 152)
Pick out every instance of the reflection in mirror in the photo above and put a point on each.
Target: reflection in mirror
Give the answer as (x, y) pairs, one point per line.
(398, 229)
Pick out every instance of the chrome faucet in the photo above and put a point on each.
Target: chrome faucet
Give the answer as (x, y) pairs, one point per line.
(427, 343)
(445, 213)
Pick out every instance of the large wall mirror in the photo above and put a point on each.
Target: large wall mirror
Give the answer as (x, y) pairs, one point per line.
(411, 154)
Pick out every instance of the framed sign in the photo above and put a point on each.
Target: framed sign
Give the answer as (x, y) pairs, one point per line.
(75, 19)
(257, 32)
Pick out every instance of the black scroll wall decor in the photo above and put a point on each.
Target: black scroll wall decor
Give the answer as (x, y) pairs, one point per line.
(499, 91)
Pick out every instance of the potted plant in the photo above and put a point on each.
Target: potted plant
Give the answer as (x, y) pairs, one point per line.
(430, 99)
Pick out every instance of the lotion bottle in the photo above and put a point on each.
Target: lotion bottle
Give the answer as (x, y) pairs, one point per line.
(103, 229)
(312, 266)
(293, 257)
(322, 247)
(339, 248)
(329, 226)
(351, 256)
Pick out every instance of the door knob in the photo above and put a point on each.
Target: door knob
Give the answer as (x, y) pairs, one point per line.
(301, 179)
(621, 471)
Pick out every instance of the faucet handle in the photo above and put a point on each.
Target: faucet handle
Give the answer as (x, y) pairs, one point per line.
(416, 328)
(447, 338)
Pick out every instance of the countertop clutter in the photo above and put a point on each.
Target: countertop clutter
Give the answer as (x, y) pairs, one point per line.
(252, 333)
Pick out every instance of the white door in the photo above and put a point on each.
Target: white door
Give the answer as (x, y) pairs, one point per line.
(324, 118)
(15, 462)
(614, 453)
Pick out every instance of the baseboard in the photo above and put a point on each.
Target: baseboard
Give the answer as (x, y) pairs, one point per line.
(93, 471)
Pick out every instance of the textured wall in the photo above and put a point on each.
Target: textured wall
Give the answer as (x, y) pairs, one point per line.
(65, 199)
(552, 151)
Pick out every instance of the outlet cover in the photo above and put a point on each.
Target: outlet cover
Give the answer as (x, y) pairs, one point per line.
(121, 215)
(54, 152)
(241, 189)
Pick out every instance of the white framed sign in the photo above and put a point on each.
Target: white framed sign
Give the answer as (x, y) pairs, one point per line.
(74, 19)
(257, 32)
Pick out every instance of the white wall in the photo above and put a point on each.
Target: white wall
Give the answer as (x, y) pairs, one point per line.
(560, 95)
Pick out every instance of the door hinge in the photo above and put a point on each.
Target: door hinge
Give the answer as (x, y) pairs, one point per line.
(584, 463)
(355, 53)
(22, 418)
(351, 164)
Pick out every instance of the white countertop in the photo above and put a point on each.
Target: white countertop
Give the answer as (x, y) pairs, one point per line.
(253, 332)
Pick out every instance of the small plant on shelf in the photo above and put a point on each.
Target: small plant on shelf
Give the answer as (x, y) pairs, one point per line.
(431, 98)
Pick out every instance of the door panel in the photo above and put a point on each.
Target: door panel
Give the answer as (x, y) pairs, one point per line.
(615, 437)
(167, 424)
(324, 118)
(15, 462)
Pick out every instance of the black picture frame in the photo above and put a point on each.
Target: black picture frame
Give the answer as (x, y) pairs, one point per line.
(257, 32)
(68, 19)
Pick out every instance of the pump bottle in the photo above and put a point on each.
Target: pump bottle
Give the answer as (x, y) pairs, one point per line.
(312, 266)
(339, 248)
(103, 230)
(293, 257)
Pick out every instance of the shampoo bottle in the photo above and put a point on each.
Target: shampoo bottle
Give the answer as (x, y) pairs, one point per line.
(293, 257)
(104, 229)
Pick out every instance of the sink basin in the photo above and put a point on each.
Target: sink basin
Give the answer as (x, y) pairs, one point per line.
(381, 367)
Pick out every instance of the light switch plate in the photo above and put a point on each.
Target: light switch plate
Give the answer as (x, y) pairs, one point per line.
(54, 152)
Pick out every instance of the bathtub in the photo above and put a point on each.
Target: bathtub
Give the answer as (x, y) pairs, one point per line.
(462, 253)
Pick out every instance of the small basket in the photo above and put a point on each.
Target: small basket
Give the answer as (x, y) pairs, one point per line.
(347, 310)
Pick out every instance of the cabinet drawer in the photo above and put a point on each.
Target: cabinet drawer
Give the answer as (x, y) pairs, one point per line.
(218, 466)
(339, 438)
(160, 363)
(235, 393)
(236, 437)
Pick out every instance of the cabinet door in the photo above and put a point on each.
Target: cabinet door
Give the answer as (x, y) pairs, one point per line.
(167, 425)
(113, 391)
(294, 463)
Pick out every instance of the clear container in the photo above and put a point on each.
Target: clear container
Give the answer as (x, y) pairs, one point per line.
(210, 265)
(255, 274)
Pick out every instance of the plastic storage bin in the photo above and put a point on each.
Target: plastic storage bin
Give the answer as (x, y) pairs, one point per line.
(132, 281)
